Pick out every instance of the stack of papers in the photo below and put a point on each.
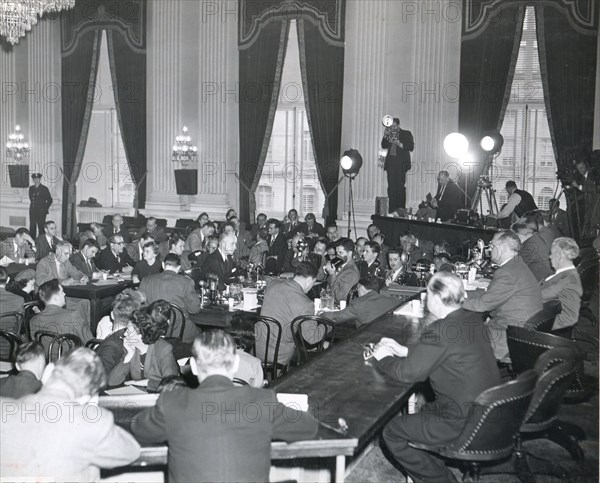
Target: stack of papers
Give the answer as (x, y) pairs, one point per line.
(294, 401)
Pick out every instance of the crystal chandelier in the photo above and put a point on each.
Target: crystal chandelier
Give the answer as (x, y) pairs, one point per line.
(16, 147)
(18, 16)
(183, 150)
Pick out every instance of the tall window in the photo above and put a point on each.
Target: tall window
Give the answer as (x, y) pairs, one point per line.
(527, 156)
(290, 171)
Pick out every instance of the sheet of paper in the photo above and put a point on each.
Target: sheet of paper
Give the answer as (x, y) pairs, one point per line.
(106, 282)
(294, 401)
(125, 391)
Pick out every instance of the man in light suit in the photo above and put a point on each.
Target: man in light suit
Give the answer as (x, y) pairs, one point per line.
(57, 265)
(174, 288)
(244, 239)
(369, 305)
(342, 280)
(47, 241)
(18, 247)
(196, 239)
(73, 443)
(564, 284)
(513, 295)
(240, 448)
(84, 261)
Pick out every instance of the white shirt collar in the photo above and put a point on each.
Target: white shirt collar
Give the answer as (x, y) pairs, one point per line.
(560, 270)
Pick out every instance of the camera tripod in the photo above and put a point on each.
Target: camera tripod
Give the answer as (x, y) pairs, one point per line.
(484, 186)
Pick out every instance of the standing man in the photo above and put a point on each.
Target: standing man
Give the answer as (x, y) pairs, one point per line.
(448, 198)
(519, 202)
(400, 144)
(39, 196)
(587, 182)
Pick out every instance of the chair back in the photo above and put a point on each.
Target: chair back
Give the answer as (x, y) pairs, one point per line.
(28, 313)
(10, 322)
(177, 314)
(497, 415)
(544, 319)
(272, 330)
(239, 382)
(93, 343)
(556, 372)
(55, 343)
(588, 273)
(9, 341)
(304, 348)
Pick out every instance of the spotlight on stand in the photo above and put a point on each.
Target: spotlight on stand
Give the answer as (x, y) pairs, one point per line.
(387, 120)
(351, 163)
(456, 145)
(492, 142)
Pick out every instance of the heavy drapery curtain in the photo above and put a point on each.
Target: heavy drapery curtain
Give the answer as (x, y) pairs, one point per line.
(79, 68)
(128, 70)
(567, 54)
(322, 66)
(260, 69)
(489, 53)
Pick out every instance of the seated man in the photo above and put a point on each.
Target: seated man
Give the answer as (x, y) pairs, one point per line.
(513, 295)
(221, 264)
(54, 318)
(153, 230)
(369, 305)
(46, 242)
(297, 254)
(370, 264)
(558, 219)
(176, 246)
(113, 258)
(76, 440)
(285, 299)
(177, 289)
(30, 361)
(135, 249)
(399, 274)
(258, 252)
(219, 443)
(116, 228)
(9, 302)
(564, 285)
(347, 276)
(458, 368)
(84, 259)
(19, 247)
(534, 250)
(57, 266)
(448, 198)
(277, 247)
(311, 228)
(197, 239)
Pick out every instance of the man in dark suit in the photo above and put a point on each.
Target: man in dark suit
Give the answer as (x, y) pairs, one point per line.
(399, 273)
(587, 182)
(448, 198)
(56, 319)
(277, 245)
(114, 258)
(261, 222)
(558, 220)
(311, 229)
(47, 241)
(30, 361)
(70, 445)
(40, 202)
(513, 295)
(116, 228)
(19, 247)
(399, 144)
(84, 259)
(174, 288)
(9, 302)
(292, 225)
(534, 251)
(369, 305)
(152, 229)
(458, 368)
(135, 249)
(343, 279)
(244, 239)
(221, 263)
(240, 448)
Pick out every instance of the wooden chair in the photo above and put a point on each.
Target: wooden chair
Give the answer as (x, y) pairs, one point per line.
(176, 311)
(12, 321)
(56, 343)
(9, 343)
(306, 350)
(273, 329)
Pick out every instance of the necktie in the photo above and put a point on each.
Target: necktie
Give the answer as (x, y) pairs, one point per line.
(89, 263)
(442, 192)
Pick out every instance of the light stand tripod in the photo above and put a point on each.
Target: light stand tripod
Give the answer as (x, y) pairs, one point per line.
(484, 185)
(351, 206)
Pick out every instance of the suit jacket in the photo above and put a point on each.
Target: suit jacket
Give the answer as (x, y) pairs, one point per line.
(239, 448)
(290, 230)
(365, 309)
(46, 269)
(566, 287)
(244, 243)
(133, 250)
(78, 260)
(18, 385)
(9, 302)
(535, 252)
(278, 249)
(512, 297)
(69, 446)
(215, 265)
(344, 280)
(316, 229)
(110, 231)
(459, 368)
(40, 199)
(403, 277)
(158, 234)
(194, 241)
(60, 321)
(559, 223)
(106, 260)
(258, 253)
(177, 289)
(42, 247)
(448, 202)
(397, 154)
(284, 300)
(7, 249)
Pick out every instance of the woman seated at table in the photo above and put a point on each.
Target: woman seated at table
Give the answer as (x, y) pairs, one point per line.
(124, 305)
(149, 265)
(144, 352)
(23, 285)
(250, 369)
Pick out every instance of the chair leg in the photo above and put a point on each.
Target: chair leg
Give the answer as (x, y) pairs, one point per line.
(562, 438)
(572, 430)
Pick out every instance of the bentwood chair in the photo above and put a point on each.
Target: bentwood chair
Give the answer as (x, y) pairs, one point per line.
(55, 343)
(308, 350)
(9, 342)
(12, 322)
(270, 330)
(93, 343)
(492, 427)
(177, 313)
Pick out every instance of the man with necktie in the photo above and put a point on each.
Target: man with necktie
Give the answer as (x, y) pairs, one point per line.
(221, 263)
(40, 202)
(47, 241)
(113, 258)
(84, 261)
(116, 228)
(19, 247)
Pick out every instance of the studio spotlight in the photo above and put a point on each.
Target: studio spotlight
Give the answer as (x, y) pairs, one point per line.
(456, 145)
(492, 142)
(387, 120)
(351, 163)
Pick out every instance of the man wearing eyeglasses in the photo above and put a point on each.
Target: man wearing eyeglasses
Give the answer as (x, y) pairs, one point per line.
(113, 258)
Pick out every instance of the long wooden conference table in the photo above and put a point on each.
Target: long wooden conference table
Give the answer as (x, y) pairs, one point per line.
(339, 384)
